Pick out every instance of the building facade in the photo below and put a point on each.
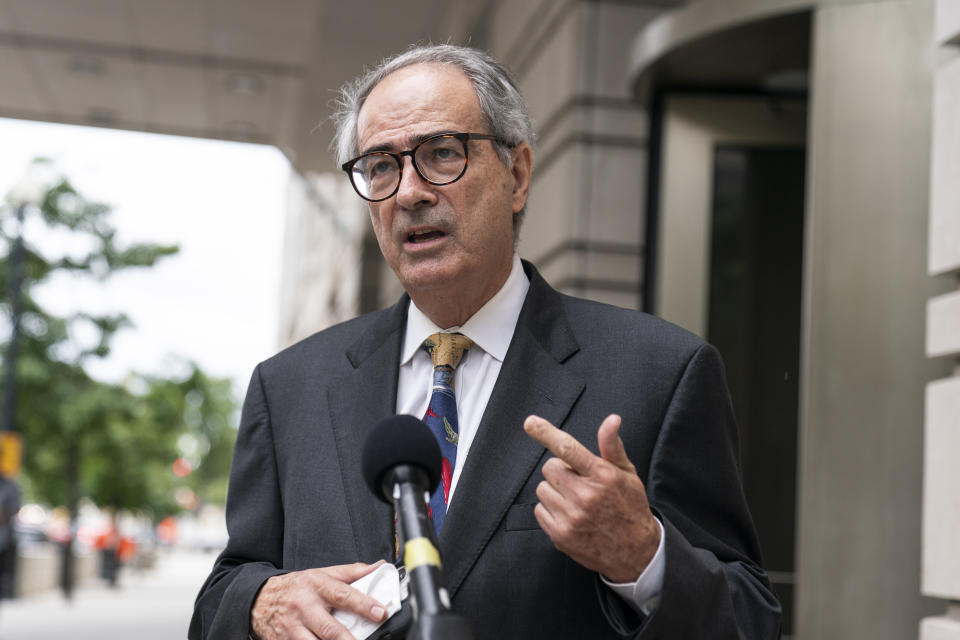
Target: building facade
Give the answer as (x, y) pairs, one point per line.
(778, 176)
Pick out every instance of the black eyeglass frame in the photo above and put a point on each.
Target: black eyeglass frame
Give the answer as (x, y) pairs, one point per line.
(398, 158)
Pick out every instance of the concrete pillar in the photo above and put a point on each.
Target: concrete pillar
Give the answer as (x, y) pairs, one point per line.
(863, 368)
(584, 225)
(941, 486)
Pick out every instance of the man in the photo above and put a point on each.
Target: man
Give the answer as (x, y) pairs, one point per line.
(593, 491)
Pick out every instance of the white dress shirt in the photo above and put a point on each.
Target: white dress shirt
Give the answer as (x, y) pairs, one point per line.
(491, 329)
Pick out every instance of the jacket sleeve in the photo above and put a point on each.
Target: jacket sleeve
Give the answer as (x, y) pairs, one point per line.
(255, 526)
(713, 585)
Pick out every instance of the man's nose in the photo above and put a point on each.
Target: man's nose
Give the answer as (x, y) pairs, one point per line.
(414, 192)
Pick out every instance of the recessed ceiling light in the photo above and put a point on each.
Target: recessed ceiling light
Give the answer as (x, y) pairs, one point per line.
(85, 65)
(241, 130)
(101, 116)
(790, 80)
(244, 84)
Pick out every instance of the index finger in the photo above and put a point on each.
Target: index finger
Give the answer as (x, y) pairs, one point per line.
(561, 444)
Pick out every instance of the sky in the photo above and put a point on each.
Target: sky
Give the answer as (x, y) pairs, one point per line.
(216, 302)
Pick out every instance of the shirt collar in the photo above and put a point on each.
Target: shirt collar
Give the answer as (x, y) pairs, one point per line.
(490, 328)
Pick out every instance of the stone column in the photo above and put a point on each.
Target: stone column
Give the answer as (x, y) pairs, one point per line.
(941, 490)
(323, 276)
(584, 226)
(864, 370)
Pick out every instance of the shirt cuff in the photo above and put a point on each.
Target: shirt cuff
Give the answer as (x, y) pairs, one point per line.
(644, 593)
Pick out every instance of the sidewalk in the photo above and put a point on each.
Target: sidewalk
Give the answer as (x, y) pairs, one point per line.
(148, 605)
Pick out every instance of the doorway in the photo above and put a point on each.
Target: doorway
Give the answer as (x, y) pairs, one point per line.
(729, 267)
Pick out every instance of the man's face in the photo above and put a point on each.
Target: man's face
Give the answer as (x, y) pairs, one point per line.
(446, 243)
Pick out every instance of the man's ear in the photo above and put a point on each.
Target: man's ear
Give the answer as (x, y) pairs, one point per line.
(521, 169)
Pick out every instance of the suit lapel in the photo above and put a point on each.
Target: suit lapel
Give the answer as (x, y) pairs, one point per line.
(532, 380)
(358, 401)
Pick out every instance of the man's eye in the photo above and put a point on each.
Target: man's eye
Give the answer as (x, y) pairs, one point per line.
(443, 154)
(377, 168)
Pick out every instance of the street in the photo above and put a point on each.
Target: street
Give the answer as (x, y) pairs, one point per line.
(148, 605)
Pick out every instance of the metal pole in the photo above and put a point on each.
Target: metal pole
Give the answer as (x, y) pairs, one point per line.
(16, 311)
(10, 500)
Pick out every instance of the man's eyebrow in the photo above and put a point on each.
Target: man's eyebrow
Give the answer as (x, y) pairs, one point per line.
(414, 141)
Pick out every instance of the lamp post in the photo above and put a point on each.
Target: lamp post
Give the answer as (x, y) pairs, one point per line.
(27, 192)
(16, 311)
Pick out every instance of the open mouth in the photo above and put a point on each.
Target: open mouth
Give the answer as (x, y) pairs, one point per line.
(427, 235)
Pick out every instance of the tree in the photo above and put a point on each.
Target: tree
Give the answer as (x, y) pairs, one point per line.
(207, 408)
(187, 419)
(86, 438)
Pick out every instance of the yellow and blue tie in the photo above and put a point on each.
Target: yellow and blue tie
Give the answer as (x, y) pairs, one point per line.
(445, 351)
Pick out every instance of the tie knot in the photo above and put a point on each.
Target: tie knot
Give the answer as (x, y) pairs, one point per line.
(446, 349)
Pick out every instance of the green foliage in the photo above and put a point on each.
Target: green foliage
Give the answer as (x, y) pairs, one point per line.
(82, 437)
(204, 409)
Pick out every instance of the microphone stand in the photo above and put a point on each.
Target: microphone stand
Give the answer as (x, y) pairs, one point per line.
(432, 617)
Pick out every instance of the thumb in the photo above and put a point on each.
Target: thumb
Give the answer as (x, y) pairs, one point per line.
(611, 446)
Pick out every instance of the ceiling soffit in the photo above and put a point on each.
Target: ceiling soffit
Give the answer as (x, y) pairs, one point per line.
(238, 70)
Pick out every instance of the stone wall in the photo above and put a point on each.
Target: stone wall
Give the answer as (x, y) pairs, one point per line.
(322, 275)
(941, 497)
(585, 218)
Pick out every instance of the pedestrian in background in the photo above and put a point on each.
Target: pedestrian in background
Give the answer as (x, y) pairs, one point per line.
(9, 506)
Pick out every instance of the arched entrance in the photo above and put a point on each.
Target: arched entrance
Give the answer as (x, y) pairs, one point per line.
(726, 216)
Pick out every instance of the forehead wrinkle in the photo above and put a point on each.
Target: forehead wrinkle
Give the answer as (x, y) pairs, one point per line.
(412, 141)
(425, 104)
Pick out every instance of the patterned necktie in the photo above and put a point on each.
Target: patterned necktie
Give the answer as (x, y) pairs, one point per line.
(446, 351)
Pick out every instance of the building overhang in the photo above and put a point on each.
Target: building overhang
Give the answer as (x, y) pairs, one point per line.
(753, 45)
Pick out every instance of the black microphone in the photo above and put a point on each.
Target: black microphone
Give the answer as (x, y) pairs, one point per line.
(401, 464)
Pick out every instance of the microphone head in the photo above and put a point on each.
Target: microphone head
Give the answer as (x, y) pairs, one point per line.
(400, 440)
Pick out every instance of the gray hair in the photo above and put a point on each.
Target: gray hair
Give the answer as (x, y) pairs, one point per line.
(504, 110)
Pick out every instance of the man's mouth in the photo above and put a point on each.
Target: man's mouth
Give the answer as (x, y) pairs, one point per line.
(426, 235)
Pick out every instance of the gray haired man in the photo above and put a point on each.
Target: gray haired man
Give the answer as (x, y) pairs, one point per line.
(594, 491)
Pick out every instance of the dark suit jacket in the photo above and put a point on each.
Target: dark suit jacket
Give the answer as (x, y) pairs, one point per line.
(297, 498)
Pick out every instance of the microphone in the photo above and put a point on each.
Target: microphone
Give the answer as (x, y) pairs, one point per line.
(401, 464)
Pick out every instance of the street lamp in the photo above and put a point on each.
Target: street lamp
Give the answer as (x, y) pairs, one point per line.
(29, 190)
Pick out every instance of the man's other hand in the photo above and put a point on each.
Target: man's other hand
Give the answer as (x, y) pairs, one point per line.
(298, 605)
(594, 509)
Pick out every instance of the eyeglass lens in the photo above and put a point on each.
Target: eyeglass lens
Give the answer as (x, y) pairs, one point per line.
(439, 160)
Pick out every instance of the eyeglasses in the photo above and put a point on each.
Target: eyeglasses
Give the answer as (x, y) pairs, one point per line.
(439, 160)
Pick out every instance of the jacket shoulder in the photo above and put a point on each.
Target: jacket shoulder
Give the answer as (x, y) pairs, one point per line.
(629, 327)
